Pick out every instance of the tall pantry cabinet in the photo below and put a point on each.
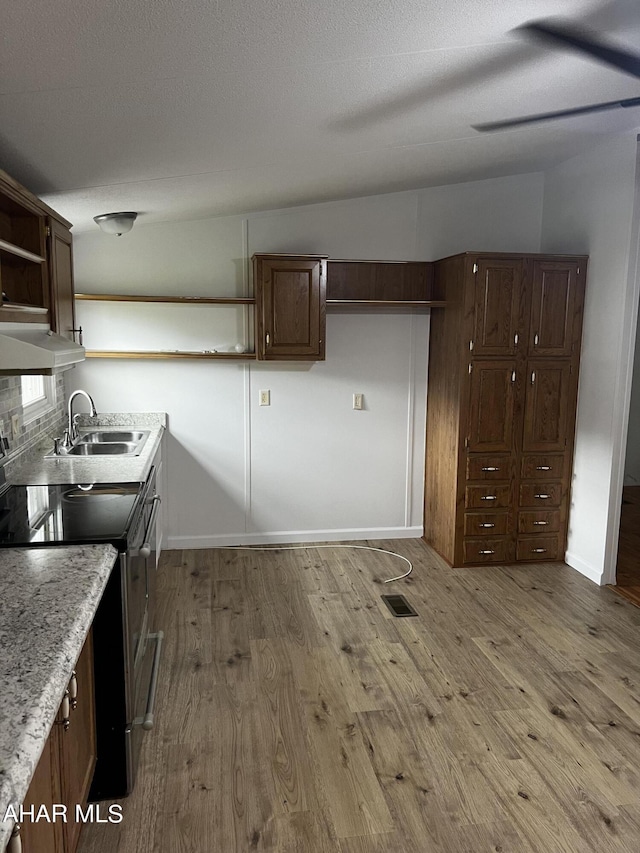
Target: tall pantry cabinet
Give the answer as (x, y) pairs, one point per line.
(501, 405)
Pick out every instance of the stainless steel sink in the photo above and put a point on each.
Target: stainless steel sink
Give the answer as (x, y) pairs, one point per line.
(114, 448)
(105, 435)
(106, 443)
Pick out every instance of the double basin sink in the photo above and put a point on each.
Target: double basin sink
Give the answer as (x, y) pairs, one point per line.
(107, 443)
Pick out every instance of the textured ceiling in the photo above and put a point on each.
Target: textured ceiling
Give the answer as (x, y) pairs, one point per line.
(189, 109)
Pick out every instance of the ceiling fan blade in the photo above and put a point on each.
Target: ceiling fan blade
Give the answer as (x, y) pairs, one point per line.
(577, 111)
(566, 35)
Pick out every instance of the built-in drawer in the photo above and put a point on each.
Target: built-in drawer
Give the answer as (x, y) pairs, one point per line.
(539, 521)
(531, 548)
(486, 523)
(487, 497)
(540, 494)
(542, 467)
(488, 467)
(485, 550)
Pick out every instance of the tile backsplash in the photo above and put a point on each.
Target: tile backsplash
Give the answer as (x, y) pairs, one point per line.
(11, 404)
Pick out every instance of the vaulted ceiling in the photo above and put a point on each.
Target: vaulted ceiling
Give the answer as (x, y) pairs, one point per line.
(191, 109)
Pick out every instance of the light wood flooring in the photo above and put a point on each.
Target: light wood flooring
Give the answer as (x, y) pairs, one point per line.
(296, 715)
(628, 566)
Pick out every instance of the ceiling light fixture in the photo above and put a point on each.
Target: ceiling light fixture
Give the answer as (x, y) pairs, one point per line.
(116, 223)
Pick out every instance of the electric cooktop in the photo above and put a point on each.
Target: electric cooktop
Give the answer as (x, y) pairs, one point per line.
(66, 514)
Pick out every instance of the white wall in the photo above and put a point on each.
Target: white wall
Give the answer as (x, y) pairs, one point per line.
(589, 208)
(309, 466)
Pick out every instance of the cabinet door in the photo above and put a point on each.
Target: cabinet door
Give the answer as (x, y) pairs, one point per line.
(61, 280)
(498, 294)
(78, 747)
(491, 405)
(291, 308)
(44, 790)
(556, 308)
(548, 397)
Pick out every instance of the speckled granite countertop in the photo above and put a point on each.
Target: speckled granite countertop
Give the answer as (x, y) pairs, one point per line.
(34, 470)
(48, 598)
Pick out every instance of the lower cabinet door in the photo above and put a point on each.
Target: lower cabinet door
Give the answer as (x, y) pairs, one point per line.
(42, 836)
(78, 746)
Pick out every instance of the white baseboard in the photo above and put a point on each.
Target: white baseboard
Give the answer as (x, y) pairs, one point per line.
(177, 543)
(592, 572)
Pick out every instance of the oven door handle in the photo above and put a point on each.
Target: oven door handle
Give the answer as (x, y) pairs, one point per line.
(145, 550)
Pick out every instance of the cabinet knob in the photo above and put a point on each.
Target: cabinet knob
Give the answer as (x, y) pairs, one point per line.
(267, 339)
(73, 691)
(533, 377)
(65, 710)
(536, 338)
(488, 497)
(15, 842)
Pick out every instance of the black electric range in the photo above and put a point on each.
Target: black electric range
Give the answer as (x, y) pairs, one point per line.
(67, 514)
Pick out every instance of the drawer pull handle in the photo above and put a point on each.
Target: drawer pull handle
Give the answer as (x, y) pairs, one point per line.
(542, 497)
(489, 497)
(538, 550)
(541, 522)
(487, 552)
(543, 467)
(486, 524)
(490, 468)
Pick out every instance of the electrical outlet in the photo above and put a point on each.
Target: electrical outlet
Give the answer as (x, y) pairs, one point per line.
(265, 398)
(358, 401)
(15, 426)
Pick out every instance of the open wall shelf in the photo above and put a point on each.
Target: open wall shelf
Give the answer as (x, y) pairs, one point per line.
(179, 300)
(157, 354)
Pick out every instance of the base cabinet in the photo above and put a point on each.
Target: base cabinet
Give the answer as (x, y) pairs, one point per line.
(501, 405)
(65, 769)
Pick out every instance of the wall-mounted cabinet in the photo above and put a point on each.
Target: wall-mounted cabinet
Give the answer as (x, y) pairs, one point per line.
(380, 285)
(36, 269)
(23, 267)
(290, 307)
(290, 300)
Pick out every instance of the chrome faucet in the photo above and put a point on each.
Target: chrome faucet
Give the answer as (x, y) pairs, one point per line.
(71, 432)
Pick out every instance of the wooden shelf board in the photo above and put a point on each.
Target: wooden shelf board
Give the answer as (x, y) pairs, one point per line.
(179, 300)
(28, 309)
(387, 303)
(20, 253)
(226, 356)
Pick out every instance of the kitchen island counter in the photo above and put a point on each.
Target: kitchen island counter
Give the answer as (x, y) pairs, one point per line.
(48, 598)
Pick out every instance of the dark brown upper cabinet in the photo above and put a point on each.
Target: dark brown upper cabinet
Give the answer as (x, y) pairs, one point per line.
(379, 282)
(290, 296)
(498, 306)
(557, 292)
(61, 280)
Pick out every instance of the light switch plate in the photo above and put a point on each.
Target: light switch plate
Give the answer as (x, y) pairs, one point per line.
(265, 398)
(358, 401)
(15, 426)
